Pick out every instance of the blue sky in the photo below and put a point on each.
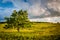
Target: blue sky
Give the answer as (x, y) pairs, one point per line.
(6, 4)
(37, 9)
(3, 8)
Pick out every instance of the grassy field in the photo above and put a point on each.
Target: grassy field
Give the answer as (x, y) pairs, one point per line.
(37, 31)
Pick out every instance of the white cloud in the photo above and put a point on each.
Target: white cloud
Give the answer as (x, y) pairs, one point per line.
(48, 19)
(20, 4)
(34, 8)
(54, 4)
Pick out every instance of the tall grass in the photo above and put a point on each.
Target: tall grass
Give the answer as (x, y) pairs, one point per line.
(37, 31)
(19, 36)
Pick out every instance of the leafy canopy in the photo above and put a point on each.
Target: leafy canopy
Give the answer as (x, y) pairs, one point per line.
(17, 19)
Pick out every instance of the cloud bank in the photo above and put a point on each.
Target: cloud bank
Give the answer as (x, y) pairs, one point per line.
(36, 8)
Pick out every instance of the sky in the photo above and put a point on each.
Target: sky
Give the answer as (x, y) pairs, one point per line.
(38, 10)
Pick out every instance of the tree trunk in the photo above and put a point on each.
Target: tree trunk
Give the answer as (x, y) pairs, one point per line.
(18, 29)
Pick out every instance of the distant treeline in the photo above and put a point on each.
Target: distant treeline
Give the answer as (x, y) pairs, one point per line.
(2, 22)
(31, 22)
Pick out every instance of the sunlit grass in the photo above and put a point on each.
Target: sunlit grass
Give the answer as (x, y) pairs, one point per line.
(43, 31)
(39, 28)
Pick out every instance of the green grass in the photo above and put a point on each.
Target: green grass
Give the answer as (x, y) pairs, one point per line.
(42, 31)
(26, 36)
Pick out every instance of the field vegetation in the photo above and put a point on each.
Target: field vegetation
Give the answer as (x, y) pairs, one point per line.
(19, 27)
(37, 31)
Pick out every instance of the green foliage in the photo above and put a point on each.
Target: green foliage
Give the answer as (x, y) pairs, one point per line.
(38, 31)
(18, 19)
(31, 36)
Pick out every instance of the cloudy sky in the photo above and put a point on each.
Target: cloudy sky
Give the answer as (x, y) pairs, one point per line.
(38, 10)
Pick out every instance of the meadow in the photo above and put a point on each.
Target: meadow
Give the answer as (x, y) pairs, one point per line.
(37, 31)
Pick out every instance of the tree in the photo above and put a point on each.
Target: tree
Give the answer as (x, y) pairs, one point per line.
(18, 19)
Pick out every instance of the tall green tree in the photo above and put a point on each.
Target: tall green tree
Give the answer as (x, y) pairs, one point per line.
(18, 19)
